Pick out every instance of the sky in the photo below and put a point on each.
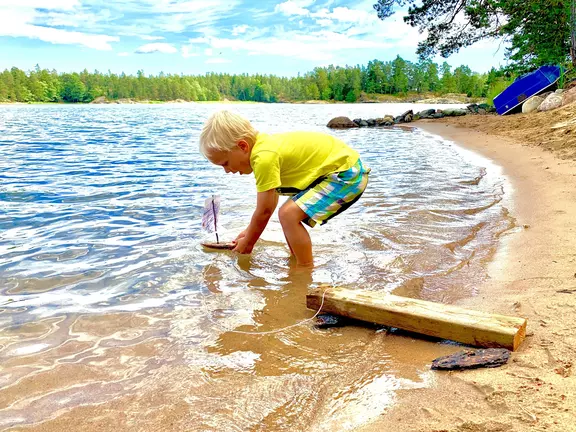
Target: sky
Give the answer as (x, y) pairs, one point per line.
(197, 36)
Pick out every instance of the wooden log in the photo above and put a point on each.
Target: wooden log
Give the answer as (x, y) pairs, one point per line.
(433, 319)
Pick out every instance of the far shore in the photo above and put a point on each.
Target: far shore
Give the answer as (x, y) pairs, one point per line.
(382, 100)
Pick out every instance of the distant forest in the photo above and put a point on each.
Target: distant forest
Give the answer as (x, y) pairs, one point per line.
(333, 83)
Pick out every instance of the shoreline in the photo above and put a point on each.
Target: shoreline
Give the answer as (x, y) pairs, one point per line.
(436, 101)
(533, 275)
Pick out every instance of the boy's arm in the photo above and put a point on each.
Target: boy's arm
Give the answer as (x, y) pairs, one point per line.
(266, 203)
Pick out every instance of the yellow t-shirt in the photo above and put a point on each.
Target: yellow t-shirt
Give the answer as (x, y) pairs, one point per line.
(296, 159)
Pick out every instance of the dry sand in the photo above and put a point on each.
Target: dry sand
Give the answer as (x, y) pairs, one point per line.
(552, 130)
(533, 275)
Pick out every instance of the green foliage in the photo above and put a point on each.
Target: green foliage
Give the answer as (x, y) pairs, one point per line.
(446, 33)
(539, 31)
(497, 87)
(562, 79)
(335, 83)
(73, 89)
(567, 76)
(448, 81)
(400, 70)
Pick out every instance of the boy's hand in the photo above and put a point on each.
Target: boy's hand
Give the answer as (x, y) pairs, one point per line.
(266, 202)
(241, 235)
(243, 246)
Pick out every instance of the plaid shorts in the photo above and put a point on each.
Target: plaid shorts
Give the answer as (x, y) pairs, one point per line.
(331, 195)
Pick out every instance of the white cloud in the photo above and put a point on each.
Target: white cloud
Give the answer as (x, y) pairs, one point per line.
(300, 30)
(200, 40)
(324, 22)
(315, 46)
(489, 45)
(151, 38)
(123, 54)
(141, 18)
(165, 48)
(43, 4)
(325, 35)
(346, 15)
(187, 6)
(217, 60)
(362, 22)
(178, 16)
(18, 21)
(239, 29)
(93, 21)
(394, 28)
(19, 28)
(290, 8)
(57, 36)
(187, 51)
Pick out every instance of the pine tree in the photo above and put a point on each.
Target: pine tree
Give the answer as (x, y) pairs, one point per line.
(539, 31)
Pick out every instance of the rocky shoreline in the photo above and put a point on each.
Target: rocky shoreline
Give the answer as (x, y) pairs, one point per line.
(409, 116)
(451, 99)
(101, 100)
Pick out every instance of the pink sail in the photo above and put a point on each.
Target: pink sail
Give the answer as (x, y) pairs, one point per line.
(210, 216)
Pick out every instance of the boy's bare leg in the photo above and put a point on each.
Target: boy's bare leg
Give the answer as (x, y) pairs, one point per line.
(291, 217)
(288, 243)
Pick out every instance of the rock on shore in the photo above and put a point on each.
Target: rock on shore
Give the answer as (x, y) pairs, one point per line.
(341, 123)
(549, 101)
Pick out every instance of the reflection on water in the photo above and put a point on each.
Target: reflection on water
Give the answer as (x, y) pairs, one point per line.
(112, 315)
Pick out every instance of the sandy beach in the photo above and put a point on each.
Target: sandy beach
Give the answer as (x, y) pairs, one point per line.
(533, 275)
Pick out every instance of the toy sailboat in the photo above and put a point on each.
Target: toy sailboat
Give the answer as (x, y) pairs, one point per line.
(210, 223)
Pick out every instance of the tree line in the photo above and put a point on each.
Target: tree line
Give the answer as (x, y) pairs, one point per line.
(332, 83)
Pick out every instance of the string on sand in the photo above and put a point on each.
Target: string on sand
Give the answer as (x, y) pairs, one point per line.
(290, 326)
(269, 331)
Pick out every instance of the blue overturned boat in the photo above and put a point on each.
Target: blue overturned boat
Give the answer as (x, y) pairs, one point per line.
(526, 86)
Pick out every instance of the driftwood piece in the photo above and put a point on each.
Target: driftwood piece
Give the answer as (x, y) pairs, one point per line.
(470, 359)
(433, 319)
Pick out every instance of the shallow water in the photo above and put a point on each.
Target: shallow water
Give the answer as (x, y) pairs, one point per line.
(111, 314)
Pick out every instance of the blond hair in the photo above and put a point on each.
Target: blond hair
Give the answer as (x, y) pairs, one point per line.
(223, 130)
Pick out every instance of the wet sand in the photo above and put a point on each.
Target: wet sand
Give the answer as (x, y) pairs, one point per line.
(533, 275)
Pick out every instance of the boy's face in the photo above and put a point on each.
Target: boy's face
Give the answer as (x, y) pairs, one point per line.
(235, 161)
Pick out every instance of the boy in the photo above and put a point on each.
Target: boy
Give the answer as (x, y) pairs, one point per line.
(322, 174)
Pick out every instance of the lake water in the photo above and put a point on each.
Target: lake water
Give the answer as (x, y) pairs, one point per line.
(112, 314)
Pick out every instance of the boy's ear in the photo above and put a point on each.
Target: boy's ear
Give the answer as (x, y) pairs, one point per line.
(244, 146)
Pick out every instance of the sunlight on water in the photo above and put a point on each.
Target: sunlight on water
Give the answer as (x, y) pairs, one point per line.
(110, 308)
